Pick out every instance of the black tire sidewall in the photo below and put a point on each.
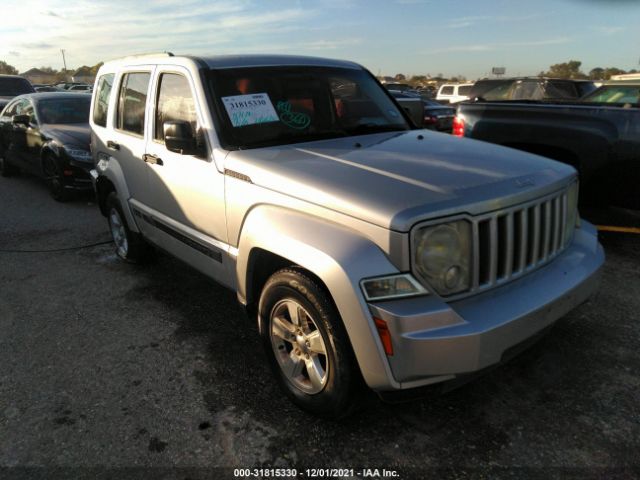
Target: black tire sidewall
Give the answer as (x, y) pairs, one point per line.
(60, 194)
(339, 395)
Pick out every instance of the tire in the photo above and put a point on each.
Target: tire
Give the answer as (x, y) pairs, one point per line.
(6, 169)
(307, 345)
(130, 246)
(52, 171)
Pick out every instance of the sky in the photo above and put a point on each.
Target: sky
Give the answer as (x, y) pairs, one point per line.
(413, 37)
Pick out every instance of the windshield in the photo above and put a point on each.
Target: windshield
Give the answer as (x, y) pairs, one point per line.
(280, 105)
(12, 87)
(615, 94)
(64, 110)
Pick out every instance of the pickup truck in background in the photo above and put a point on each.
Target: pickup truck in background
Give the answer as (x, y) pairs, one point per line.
(599, 135)
(530, 88)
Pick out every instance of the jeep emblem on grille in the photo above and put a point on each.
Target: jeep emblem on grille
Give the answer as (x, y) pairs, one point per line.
(525, 182)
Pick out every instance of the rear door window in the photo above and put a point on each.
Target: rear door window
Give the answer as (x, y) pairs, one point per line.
(446, 91)
(132, 102)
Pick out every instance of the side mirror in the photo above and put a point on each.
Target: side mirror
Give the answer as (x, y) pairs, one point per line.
(179, 137)
(21, 120)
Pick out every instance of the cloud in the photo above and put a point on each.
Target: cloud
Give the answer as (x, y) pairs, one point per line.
(13, 53)
(463, 22)
(487, 47)
(331, 44)
(609, 30)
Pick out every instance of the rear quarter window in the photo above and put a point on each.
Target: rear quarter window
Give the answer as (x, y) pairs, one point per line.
(446, 91)
(464, 90)
(101, 104)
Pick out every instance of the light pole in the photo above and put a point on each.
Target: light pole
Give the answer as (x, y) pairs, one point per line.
(64, 61)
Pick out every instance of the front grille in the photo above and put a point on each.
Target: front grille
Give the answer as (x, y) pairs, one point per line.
(516, 240)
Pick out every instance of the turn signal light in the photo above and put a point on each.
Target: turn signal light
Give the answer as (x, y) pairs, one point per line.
(385, 335)
(458, 126)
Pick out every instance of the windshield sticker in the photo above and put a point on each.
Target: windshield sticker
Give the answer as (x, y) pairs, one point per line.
(249, 109)
(291, 119)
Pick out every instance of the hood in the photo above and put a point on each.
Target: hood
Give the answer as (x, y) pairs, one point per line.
(397, 179)
(78, 134)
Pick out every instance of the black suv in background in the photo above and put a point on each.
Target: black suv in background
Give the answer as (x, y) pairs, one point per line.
(530, 88)
(12, 86)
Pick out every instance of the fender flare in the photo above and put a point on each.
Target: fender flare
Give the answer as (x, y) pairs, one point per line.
(340, 257)
(112, 171)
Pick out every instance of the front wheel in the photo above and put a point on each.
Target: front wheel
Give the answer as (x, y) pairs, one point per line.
(307, 345)
(130, 246)
(52, 171)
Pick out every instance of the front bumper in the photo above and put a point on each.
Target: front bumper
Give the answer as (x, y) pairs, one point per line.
(435, 341)
(80, 178)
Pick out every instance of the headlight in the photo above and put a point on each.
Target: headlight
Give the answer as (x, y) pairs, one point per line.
(78, 154)
(572, 213)
(392, 286)
(443, 256)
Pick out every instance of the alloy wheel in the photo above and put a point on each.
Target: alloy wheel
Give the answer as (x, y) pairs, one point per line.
(118, 233)
(299, 346)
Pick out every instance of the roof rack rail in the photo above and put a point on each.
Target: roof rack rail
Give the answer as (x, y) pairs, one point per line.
(152, 54)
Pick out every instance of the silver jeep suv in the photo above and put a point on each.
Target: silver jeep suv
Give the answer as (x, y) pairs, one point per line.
(370, 252)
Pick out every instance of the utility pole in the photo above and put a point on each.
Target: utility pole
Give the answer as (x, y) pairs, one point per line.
(64, 61)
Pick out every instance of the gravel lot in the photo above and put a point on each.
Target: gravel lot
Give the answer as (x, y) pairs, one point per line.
(109, 370)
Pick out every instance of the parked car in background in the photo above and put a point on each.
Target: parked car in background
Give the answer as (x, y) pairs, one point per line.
(80, 88)
(427, 113)
(47, 134)
(12, 86)
(68, 85)
(530, 88)
(598, 134)
(400, 87)
(365, 249)
(453, 92)
(47, 88)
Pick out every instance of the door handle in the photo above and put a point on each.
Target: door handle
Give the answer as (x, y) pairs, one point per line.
(152, 159)
(113, 145)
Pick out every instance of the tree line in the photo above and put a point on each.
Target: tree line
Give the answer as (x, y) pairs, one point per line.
(60, 75)
(569, 70)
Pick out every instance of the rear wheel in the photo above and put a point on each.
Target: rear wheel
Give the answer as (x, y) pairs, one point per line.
(130, 246)
(307, 345)
(52, 171)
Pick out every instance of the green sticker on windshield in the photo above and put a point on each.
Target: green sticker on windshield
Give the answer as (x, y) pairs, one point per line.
(291, 119)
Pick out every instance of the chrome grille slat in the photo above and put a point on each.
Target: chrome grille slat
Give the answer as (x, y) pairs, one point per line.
(556, 224)
(493, 250)
(524, 228)
(509, 247)
(514, 241)
(476, 257)
(546, 223)
(564, 218)
(536, 235)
